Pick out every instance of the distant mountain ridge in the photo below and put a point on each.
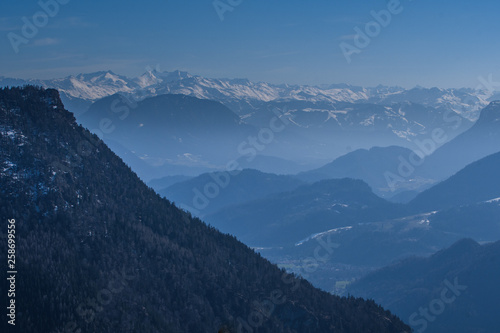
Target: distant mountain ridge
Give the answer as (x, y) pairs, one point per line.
(93, 86)
(368, 235)
(196, 194)
(288, 217)
(454, 290)
(346, 117)
(369, 165)
(479, 181)
(170, 130)
(392, 170)
(481, 140)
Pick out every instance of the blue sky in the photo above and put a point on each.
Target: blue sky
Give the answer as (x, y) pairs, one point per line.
(430, 43)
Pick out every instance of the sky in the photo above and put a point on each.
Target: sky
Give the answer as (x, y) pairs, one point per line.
(447, 44)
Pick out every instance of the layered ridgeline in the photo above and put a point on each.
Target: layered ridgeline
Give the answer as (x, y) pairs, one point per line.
(345, 117)
(479, 141)
(162, 183)
(211, 192)
(400, 173)
(287, 218)
(244, 96)
(98, 250)
(376, 166)
(179, 134)
(173, 133)
(455, 290)
(477, 182)
(369, 231)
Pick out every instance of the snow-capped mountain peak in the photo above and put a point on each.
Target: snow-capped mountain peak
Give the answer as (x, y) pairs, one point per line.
(93, 86)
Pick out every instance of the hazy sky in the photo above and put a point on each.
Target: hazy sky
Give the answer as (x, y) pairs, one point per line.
(430, 43)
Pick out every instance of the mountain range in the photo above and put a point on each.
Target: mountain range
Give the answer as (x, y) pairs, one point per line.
(54, 172)
(347, 117)
(88, 88)
(99, 251)
(369, 231)
(287, 218)
(397, 171)
(168, 130)
(400, 174)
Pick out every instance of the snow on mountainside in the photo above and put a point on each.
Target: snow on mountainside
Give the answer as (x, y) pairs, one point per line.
(466, 102)
(94, 86)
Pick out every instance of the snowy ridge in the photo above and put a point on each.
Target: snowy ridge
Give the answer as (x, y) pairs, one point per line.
(493, 200)
(94, 86)
(320, 234)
